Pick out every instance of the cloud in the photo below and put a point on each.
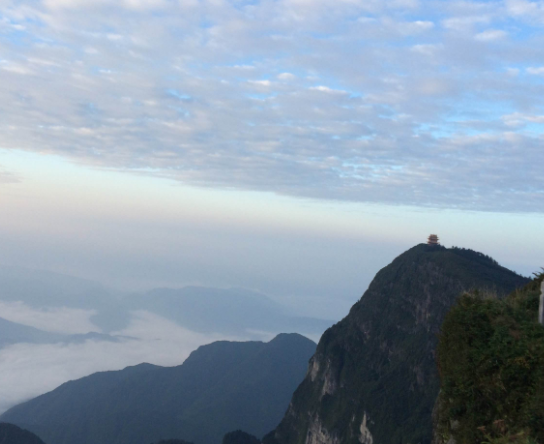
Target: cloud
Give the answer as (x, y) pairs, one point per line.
(28, 370)
(326, 89)
(490, 35)
(538, 71)
(426, 49)
(530, 10)
(138, 5)
(286, 76)
(57, 320)
(264, 83)
(341, 100)
(464, 23)
(519, 119)
(7, 177)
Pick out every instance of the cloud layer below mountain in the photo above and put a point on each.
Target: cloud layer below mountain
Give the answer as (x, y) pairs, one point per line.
(28, 370)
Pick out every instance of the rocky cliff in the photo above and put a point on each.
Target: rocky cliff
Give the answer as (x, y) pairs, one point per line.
(373, 378)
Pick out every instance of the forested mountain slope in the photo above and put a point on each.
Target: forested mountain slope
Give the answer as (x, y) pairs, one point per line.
(373, 378)
(491, 363)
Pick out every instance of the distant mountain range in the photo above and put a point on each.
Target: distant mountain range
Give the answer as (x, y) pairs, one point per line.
(45, 290)
(229, 312)
(221, 387)
(13, 333)
(372, 379)
(226, 311)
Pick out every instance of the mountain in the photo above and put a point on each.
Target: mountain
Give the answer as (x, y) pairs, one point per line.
(491, 363)
(240, 437)
(173, 441)
(373, 378)
(45, 289)
(14, 333)
(11, 434)
(232, 311)
(235, 312)
(221, 387)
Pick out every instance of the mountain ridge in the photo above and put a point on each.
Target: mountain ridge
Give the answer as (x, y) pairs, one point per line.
(220, 387)
(373, 376)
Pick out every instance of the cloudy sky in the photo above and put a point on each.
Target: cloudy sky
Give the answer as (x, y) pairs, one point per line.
(288, 146)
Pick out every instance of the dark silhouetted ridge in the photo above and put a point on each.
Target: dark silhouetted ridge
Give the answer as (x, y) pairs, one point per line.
(221, 387)
(11, 434)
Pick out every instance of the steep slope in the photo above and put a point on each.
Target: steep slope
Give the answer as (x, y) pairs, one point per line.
(491, 363)
(11, 434)
(373, 377)
(221, 387)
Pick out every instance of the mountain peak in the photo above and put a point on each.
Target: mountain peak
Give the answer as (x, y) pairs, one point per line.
(283, 338)
(373, 376)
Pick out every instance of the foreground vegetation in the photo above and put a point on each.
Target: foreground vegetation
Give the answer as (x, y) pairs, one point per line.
(491, 364)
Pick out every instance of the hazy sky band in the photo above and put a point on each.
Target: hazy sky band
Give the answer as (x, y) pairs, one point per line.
(400, 102)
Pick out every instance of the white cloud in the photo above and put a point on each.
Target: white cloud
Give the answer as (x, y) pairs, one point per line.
(416, 27)
(520, 119)
(7, 177)
(15, 68)
(326, 89)
(89, 4)
(286, 76)
(404, 4)
(353, 62)
(265, 83)
(513, 72)
(28, 370)
(57, 320)
(465, 23)
(532, 9)
(426, 49)
(538, 71)
(490, 35)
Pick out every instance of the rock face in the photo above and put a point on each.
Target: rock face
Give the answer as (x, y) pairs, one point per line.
(373, 378)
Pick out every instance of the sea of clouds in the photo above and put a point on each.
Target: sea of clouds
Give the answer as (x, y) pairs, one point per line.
(28, 370)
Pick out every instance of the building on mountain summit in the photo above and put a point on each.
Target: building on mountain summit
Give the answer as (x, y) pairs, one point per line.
(433, 240)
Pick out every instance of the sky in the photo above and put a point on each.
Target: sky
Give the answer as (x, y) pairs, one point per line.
(293, 147)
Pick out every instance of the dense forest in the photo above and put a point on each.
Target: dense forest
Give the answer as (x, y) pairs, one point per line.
(491, 365)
